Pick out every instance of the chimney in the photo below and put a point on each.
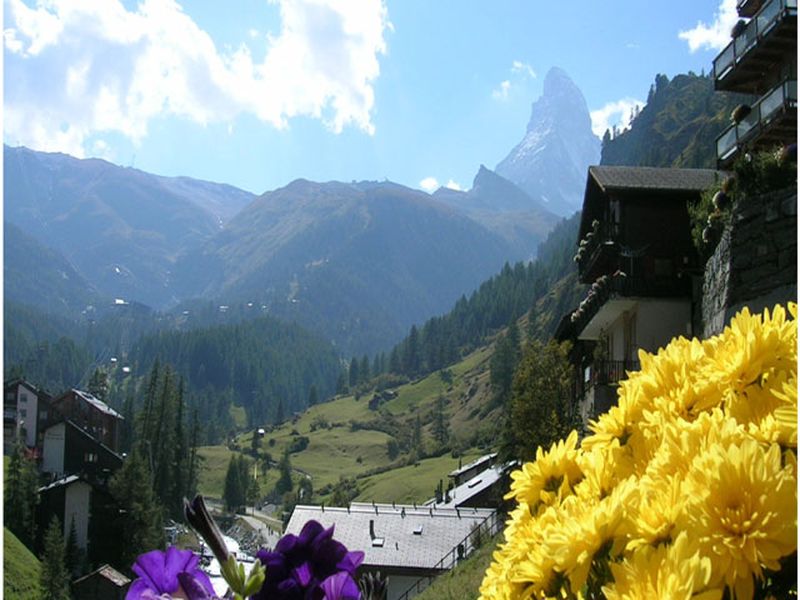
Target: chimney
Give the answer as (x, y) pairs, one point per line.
(372, 529)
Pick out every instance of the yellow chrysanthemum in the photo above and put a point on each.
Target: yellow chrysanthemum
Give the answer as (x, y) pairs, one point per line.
(653, 517)
(685, 487)
(549, 477)
(742, 510)
(675, 571)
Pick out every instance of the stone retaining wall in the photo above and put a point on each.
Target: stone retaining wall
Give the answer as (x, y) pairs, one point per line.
(755, 262)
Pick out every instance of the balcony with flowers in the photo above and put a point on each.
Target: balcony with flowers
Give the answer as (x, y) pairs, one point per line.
(768, 38)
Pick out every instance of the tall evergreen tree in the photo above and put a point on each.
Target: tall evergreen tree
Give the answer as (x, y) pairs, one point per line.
(98, 384)
(140, 515)
(284, 483)
(20, 496)
(54, 577)
(363, 369)
(235, 489)
(354, 374)
(313, 396)
(440, 429)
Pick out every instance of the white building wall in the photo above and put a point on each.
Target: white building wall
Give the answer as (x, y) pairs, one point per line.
(27, 411)
(398, 584)
(53, 450)
(658, 321)
(76, 506)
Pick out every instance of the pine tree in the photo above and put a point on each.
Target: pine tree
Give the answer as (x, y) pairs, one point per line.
(363, 369)
(140, 515)
(20, 496)
(72, 554)
(284, 483)
(235, 487)
(98, 384)
(313, 397)
(440, 430)
(354, 374)
(54, 576)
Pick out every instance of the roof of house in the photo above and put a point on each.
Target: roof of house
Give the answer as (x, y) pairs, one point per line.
(475, 485)
(474, 463)
(649, 178)
(68, 480)
(107, 572)
(412, 537)
(98, 404)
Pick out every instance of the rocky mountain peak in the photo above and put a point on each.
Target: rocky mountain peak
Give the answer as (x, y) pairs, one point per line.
(550, 162)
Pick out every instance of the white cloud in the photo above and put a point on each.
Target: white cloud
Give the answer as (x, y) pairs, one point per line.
(88, 67)
(614, 113)
(501, 93)
(715, 36)
(452, 185)
(520, 67)
(429, 184)
(519, 72)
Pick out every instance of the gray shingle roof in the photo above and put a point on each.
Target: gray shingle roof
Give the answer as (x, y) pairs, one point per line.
(641, 178)
(474, 463)
(98, 404)
(475, 485)
(442, 529)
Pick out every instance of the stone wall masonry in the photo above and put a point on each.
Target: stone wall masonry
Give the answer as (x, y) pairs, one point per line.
(755, 262)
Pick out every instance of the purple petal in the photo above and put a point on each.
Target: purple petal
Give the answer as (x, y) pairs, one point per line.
(303, 574)
(193, 588)
(351, 561)
(138, 589)
(151, 567)
(340, 587)
(310, 531)
(286, 544)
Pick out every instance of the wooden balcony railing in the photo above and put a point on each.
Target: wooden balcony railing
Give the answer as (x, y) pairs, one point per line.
(606, 372)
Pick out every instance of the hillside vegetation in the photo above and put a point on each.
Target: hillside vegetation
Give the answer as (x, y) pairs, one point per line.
(677, 127)
(20, 570)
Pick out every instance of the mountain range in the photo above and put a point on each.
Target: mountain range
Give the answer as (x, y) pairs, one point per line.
(359, 262)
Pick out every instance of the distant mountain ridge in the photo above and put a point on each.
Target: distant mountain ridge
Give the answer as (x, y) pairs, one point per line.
(551, 160)
(360, 262)
(678, 126)
(121, 228)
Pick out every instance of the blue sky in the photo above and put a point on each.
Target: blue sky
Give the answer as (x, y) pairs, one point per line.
(257, 93)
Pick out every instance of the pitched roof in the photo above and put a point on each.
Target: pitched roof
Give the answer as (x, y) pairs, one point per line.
(474, 463)
(107, 572)
(98, 404)
(68, 480)
(475, 485)
(413, 537)
(643, 178)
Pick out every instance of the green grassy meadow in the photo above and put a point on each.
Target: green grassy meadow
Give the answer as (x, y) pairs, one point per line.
(20, 570)
(347, 439)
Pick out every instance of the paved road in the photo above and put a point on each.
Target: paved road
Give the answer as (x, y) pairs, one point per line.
(269, 537)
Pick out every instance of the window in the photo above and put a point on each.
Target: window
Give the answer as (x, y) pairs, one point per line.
(23, 412)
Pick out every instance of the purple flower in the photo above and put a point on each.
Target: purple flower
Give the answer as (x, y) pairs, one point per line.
(311, 566)
(164, 574)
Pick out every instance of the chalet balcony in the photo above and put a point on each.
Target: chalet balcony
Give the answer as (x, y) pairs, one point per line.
(596, 255)
(9, 415)
(608, 372)
(607, 301)
(773, 120)
(747, 8)
(770, 35)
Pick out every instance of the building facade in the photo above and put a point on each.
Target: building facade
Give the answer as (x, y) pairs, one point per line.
(636, 253)
(760, 61)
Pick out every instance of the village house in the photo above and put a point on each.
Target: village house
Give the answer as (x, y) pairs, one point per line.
(409, 544)
(92, 415)
(68, 449)
(25, 407)
(105, 583)
(635, 251)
